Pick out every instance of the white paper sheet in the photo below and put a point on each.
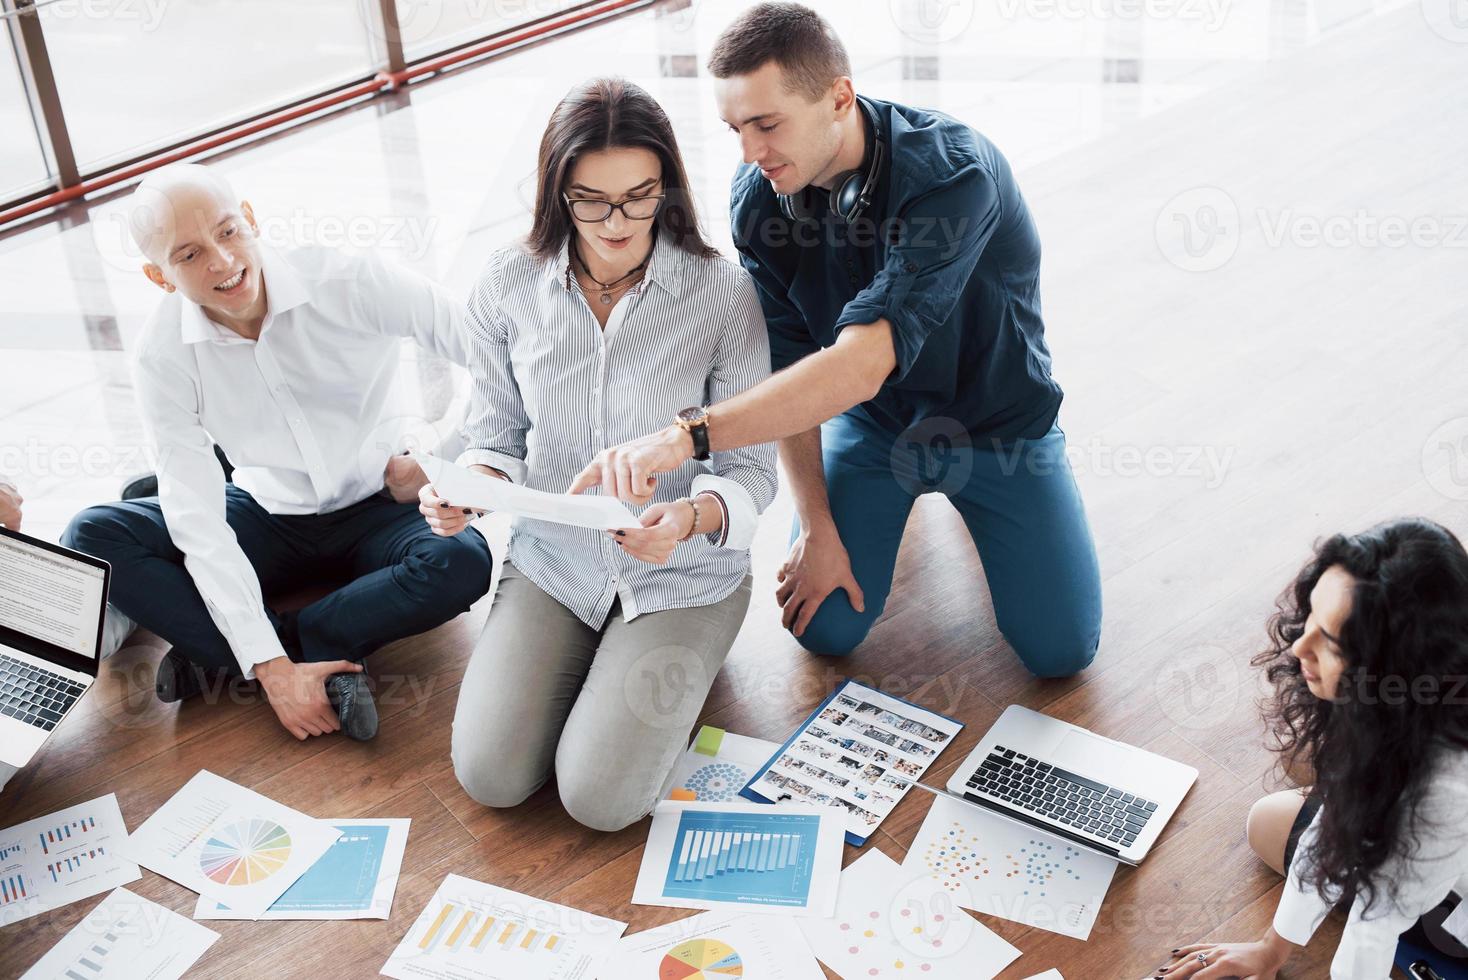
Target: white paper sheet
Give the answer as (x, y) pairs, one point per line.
(999, 867)
(860, 751)
(126, 937)
(229, 843)
(463, 487)
(62, 858)
(751, 857)
(724, 945)
(1047, 975)
(356, 879)
(716, 766)
(903, 923)
(473, 931)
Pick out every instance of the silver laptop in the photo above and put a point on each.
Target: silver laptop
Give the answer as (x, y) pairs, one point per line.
(52, 601)
(1099, 794)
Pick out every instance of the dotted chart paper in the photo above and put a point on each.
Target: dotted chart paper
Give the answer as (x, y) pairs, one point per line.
(999, 867)
(894, 923)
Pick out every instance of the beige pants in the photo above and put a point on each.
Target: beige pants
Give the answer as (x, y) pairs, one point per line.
(607, 710)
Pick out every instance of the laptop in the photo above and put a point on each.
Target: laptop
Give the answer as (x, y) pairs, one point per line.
(1101, 795)
(52, 604)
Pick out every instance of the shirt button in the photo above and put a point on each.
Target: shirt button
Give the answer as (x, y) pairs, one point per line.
(911, 267)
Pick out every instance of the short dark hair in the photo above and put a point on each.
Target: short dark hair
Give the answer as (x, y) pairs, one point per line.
(601, 114)
(793, 36)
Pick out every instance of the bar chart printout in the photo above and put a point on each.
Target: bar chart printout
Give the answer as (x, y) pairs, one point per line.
(126, 936)
(755, 856)
(471, 929)
(61, 858)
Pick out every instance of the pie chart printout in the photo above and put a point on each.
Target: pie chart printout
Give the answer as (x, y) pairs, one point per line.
(246, 852)
(701, 959)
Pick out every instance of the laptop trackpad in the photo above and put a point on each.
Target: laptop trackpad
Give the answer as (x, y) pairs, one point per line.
(1095, 758)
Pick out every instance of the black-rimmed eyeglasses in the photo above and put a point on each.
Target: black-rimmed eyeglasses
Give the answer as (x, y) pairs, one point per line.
(635, 209)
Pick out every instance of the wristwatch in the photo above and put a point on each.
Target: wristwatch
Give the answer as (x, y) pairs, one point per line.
(695, 422)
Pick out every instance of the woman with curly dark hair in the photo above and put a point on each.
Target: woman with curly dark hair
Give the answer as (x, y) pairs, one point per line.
(1369, 663)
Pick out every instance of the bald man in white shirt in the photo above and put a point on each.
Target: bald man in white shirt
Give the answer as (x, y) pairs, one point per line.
(286, 360)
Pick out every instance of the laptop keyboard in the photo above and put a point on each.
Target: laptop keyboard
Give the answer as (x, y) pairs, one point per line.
(1073, 801)
(35, 695)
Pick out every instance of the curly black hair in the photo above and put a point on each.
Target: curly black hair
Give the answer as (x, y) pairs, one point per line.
(1401, 704)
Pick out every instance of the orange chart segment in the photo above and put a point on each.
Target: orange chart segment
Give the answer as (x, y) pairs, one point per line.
(701, 959)
(246, 852)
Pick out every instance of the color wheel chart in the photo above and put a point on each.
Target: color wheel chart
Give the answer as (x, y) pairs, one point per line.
(246, 852)
(743, 857)
(701, 959)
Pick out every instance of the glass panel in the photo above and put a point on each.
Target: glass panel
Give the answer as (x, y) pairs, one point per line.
(21, 162)
(429, 26)
(137, 73)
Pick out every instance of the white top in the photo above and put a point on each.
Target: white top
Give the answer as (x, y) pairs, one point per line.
(304, 413)
(1439, 865)
(552, 388)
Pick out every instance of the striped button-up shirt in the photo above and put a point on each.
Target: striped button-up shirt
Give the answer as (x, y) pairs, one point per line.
(552, 388)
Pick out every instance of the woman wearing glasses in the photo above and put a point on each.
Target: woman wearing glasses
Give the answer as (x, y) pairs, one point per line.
(610, 319)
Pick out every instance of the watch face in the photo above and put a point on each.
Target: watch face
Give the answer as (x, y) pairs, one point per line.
(692, 415)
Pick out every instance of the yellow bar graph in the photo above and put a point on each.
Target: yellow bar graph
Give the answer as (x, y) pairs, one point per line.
(459, 929)
(552, 942)
(432, 933)
(529, 939)
(483, 931)
(509, 931)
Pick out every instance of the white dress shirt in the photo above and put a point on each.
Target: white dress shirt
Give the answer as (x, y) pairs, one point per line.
(305, 413)
(552, 388)
(1438, 866)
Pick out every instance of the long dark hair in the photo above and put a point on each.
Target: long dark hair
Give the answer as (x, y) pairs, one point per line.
(1398, 708)
(599, 115)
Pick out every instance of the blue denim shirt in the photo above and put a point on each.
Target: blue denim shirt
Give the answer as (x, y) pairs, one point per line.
(947, 253)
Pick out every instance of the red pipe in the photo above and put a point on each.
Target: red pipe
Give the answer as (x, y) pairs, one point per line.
(383, 80)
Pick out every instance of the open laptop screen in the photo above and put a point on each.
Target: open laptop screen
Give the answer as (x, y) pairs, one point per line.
(50, 595)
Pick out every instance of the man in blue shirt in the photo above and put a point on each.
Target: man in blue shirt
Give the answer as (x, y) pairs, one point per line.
(898, 267)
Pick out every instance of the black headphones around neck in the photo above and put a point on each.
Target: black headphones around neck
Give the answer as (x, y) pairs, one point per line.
(852, 190)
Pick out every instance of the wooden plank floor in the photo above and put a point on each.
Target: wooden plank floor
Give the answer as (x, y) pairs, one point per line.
(1317, 373)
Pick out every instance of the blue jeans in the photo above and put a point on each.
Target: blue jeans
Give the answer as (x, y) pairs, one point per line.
(403, 579)
(1022, 508)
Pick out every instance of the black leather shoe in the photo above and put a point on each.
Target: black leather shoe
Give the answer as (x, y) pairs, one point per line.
(352, 699)
(178, 680)
(142, 486)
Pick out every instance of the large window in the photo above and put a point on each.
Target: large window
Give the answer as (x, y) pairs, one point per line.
(21, 162)
(430, 26)
(134, 74)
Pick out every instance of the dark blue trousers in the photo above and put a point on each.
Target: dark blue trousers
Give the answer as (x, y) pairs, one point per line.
(401, 578)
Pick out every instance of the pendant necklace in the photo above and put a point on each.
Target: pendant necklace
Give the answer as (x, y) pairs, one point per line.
(607, 288)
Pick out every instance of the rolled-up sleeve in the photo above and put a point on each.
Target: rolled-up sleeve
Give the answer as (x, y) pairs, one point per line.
(496, 423)
(744, 479)
(191, 493)
(941, 234)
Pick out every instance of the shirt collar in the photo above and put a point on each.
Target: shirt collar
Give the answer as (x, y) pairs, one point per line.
(666, 267)
(284, 290)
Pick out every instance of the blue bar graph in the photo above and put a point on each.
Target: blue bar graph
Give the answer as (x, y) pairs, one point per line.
(764, 859)
(6, 850)
(13, 889)
(63, 833)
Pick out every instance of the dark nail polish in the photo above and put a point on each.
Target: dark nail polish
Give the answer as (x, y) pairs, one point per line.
(621, 534)
(1174, 952)
(468, 511)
